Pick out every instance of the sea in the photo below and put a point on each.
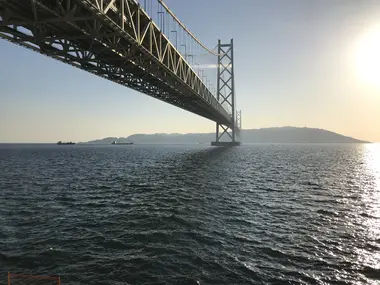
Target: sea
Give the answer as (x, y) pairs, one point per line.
(191, 214)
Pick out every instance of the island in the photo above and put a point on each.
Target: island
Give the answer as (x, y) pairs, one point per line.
(263, 135)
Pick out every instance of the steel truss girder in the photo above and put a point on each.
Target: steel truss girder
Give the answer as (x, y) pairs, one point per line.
(114, 39)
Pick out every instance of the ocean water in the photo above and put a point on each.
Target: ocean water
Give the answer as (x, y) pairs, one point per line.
(150, 214)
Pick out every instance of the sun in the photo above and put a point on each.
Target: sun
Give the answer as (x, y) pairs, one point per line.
(368, 57)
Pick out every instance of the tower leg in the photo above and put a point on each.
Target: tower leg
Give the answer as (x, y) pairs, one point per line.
(226, 134)
(221, 131)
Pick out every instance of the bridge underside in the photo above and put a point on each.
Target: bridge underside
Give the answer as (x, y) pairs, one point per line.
(115, 40)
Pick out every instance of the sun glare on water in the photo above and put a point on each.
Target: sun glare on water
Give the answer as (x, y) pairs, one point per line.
(368, 57)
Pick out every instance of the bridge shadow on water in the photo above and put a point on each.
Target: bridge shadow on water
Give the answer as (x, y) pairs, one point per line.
(200, 169)
(204, 157)
(200, 208)
(172, 218)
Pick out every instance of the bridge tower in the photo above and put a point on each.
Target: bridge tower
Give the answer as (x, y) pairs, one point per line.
(227, 135)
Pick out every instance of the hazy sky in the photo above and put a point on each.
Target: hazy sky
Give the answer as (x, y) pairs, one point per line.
(297, 63)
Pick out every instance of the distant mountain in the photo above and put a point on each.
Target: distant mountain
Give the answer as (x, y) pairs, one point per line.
(265, 135)
(109, 140)
(295, 135)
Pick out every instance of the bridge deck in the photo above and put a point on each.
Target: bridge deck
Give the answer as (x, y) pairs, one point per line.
(113, 39)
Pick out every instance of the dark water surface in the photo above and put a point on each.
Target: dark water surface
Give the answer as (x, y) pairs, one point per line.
(258, 214)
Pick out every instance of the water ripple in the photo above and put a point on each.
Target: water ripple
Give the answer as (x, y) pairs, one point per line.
(261, 214)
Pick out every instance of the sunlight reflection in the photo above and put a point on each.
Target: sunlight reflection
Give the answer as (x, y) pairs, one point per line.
(371, 184)
(372, 159)
(368, 256)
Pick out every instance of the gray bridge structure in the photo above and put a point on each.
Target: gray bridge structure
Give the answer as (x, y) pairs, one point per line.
(139, 44)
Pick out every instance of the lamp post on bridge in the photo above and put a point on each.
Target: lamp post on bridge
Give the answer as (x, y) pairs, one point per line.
(192, 58)
(197, 68)
(211, 88)
(163, 20)
(204, 81)
(185, 50)
(201, 75)
(175, 38)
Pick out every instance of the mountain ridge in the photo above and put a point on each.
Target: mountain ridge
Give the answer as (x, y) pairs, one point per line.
(286, 134)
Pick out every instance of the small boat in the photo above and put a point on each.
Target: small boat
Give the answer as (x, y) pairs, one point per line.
(121, 143)
(65, 143)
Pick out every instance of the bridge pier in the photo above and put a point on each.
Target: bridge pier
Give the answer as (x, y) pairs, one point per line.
(225, 143)
(227, 135)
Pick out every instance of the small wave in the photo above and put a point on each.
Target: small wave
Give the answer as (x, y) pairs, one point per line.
(242, 238)
(370, 272)
(329, 213)
(368, 215)
(311, 183)
(269, 189)
(102, 187)
(178, 219)
(237, 221)
(114, 244)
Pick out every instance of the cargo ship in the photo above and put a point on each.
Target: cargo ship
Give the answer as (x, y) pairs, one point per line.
(65, 143)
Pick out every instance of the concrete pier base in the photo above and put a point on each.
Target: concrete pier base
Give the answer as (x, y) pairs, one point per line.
(225, 143)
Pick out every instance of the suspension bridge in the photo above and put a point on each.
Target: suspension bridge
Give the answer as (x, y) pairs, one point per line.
(139, 44)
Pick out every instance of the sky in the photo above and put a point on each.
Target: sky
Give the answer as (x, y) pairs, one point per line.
(297, 63)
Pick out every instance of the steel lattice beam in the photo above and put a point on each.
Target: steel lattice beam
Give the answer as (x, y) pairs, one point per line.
(114, 39)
